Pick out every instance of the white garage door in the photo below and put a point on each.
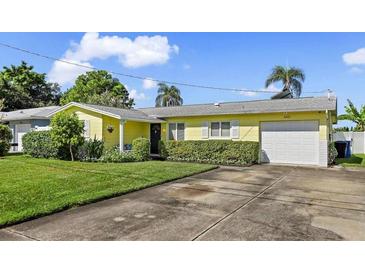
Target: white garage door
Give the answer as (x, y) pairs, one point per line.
(294, 142)
(21, 129)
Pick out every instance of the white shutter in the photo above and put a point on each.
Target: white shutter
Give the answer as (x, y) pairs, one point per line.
(235, 129)
(205, 130)
(87, 129)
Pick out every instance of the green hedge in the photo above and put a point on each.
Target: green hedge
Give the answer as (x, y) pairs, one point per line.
(220, 152)
(5, 138)
(113, 155)
(141, 149)
(39, 144)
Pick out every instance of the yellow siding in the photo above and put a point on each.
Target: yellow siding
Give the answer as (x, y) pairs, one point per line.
(133, 130)
(249, 123)
(110, 138)
(99, 127)
(96, 120)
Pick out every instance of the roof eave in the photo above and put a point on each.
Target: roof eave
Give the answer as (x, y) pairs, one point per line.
(74, 104)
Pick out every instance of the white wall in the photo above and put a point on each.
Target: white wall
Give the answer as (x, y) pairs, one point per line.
(357, 140)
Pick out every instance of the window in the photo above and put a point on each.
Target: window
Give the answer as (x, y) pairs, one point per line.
(214, 129)
(86, 128)
(225, 129)
(177, 131)
(220, 129)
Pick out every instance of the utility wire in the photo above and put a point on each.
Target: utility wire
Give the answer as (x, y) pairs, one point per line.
(138, 76)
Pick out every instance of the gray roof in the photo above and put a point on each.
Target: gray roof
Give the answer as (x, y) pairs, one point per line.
(132, 114)
(121, 113)
(246, 107)
(29, 113)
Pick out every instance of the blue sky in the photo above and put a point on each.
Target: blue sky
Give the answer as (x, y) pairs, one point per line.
(236, 60)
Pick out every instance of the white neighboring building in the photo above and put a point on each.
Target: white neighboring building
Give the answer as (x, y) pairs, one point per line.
(357, 140)
(23, 120)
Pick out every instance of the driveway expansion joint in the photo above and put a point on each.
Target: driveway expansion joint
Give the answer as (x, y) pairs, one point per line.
(21, 234)
(240, 207)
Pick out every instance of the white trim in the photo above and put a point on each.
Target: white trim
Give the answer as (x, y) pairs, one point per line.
(71, 104)
(121, 135)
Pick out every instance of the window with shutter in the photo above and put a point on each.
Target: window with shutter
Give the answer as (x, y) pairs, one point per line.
(172, 131)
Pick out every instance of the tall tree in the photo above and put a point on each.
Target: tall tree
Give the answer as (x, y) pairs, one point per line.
(168, 96)
(21, 87)
(354, 115)
(291, 79)
(98, 87)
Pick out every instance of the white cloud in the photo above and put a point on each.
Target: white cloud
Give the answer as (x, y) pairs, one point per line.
(137, 95)
(356, 70)
(248, 93)
(142, 51)
(186, 66)
(64, 73)
(148, 84)
(356, 57)
(272, 88)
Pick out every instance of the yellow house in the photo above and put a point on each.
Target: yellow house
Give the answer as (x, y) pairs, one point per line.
(290, 131)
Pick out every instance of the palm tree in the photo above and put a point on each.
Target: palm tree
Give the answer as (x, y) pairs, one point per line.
(168, 96)
(354, 115)
(291, 79)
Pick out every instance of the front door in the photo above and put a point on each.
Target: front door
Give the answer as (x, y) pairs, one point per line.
(155, 137)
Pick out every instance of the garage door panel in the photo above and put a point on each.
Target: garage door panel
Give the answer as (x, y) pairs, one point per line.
(293, 142)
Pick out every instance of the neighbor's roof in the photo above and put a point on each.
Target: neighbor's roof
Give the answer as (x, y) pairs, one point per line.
(119, 113)
(247, 107)
(29, 113)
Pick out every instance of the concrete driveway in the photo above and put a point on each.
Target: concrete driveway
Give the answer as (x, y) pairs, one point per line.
(256, 203)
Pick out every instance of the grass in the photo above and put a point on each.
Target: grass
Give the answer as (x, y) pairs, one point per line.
(356, 160)
(30, 187)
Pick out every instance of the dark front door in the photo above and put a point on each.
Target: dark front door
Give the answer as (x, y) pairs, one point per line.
(155, 137)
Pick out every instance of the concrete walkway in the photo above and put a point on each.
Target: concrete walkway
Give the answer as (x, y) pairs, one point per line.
(256, 203)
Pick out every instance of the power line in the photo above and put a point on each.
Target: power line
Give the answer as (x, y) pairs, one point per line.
(138, 76)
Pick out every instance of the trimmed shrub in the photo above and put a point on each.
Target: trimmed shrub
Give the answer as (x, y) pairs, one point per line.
(113, 155)
(220, 152)
(39, 144)
(162, 149)
(332, 153)
(5, 138)
(91, 150)
(67, 133)
(141, 149)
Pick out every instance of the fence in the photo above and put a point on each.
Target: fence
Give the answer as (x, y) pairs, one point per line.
(357, 140)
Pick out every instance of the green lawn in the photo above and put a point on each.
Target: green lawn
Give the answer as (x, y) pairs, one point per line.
(34, 187)
(356, 160)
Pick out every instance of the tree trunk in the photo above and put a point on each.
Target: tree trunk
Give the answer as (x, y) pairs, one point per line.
(72, 155)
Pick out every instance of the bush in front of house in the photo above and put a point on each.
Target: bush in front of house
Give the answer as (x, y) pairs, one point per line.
(113, 155)
(39, 144)
(221, 152)
(141, 149)
(5, 138)
(67, 133)
(91, 150)
(332, 153)
(162, 150)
